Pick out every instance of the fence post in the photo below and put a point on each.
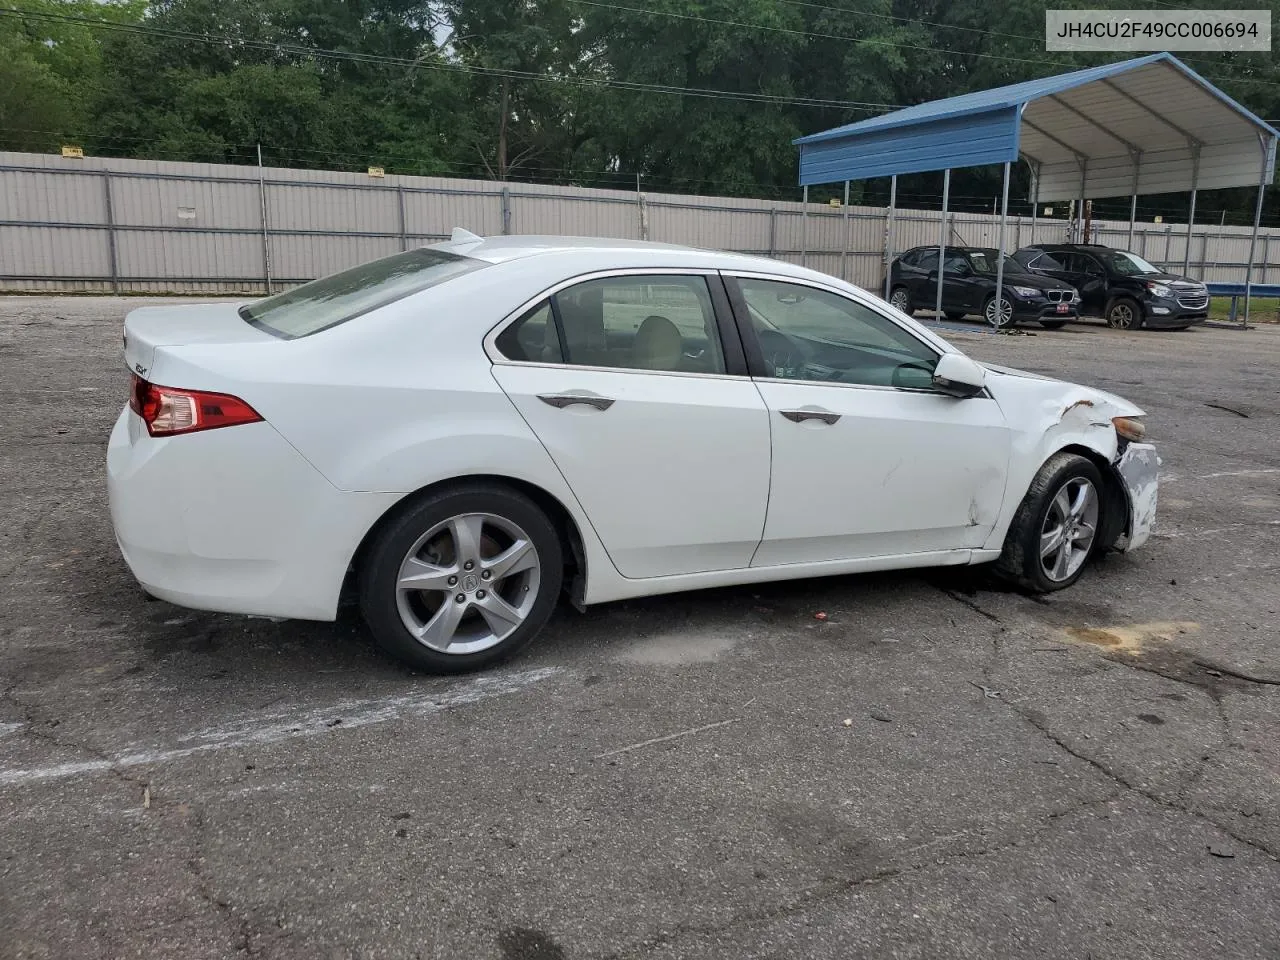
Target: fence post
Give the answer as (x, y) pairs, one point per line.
(266, 234)
(773, 230)
(804, 229)
(1168, 240)
(890, 215)
(1266, 243)
(404, 236)
(844, 241)
(506, 211)
(111, 232)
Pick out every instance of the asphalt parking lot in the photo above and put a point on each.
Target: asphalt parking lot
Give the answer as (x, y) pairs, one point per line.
(939, 769)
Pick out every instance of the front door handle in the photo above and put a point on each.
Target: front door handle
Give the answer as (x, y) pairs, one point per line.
(799, 416)
(562, 400)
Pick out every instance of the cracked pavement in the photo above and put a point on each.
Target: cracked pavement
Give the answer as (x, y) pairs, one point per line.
(939, 769)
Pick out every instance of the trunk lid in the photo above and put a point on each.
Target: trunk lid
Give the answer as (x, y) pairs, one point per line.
(202, 323)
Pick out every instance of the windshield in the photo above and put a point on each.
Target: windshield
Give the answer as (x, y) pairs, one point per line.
(343, 296)
(1129, 264)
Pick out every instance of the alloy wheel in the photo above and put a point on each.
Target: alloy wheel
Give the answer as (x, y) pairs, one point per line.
(1121, 317)
(1005, 315)
(899, 300)
(1069, 528)
(468, 583)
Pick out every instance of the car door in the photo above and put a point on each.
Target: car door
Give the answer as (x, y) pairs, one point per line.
(1089, 277)
(924, 279)
(959, 284)
(645, 408)
(868, 460)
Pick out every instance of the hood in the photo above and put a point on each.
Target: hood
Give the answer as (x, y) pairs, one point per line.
(1171, 279)
(1052, 390)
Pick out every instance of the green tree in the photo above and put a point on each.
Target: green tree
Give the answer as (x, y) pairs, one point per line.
(48, 70)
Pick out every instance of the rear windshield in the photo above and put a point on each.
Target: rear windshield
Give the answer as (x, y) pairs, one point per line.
(331, 300)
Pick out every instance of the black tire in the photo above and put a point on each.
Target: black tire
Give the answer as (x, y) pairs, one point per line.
(380, 571)
(956, 315)
(989, 314)
(1124, 313)
(902, 294)
(1020, 561)
(1053, 324)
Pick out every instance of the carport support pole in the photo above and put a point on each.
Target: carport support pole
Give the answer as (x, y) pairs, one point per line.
(1191, 214)
(1257, 220)
(942, 240)
(888, 231)
(1133, 205)
(804, 228)
(1079, 224)
(1253, 246)
(1004, 220)
(1035, 201)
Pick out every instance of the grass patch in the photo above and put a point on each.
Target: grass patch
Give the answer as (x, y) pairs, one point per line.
(1261, 309)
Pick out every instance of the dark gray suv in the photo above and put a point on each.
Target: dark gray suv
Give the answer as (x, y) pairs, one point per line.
(1120, 286)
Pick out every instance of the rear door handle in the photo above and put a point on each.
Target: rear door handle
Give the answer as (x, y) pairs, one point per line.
(799, 416)
(562, 400)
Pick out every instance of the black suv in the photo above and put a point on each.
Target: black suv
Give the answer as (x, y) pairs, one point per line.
(969, 286)
(1120, 286)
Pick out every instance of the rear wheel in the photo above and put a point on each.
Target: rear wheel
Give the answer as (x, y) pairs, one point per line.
(998, 317)
(900, 299)
(1055, 530)
(1124, 314)
(462, 579)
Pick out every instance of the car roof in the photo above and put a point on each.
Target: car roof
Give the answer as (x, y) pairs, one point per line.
(618, 253)
(1069, 246)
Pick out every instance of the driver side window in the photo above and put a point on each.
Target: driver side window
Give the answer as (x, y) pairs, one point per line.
(805, 333)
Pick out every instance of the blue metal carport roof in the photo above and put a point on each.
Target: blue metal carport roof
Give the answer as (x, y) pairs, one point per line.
(1148, 125)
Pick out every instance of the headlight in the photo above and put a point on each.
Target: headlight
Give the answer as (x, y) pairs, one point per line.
(1159, 290)
(1130, 428)
(1026, 291)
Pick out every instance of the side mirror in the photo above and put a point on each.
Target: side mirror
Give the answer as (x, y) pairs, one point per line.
(958, 376)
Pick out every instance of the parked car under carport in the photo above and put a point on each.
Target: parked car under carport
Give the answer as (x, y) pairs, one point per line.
(1120, 286)
(969, 287)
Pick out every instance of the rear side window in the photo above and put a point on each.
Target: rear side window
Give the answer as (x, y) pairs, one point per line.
(533, 338)
(1045, 262)
(332, 300)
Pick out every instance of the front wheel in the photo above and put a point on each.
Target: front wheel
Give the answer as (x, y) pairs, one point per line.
(999, 317)
(1124, 314)
(1055, 529)
(461, 579)
(900, 300)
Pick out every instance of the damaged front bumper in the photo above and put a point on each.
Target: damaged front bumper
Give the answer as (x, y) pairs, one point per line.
(1139, 469)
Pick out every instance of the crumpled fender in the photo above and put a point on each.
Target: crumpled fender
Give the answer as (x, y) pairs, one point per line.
(1045, 416)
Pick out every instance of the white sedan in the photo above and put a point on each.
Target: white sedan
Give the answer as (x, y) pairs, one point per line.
(457, 433)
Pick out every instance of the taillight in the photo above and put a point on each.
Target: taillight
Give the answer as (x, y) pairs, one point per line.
(167, 410)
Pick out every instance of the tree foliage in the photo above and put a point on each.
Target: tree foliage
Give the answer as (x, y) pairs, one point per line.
(529, 89)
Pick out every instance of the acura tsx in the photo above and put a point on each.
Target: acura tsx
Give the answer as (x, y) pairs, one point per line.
(455, 435)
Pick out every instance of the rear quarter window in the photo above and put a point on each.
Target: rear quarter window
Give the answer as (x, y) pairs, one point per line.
(335, 299)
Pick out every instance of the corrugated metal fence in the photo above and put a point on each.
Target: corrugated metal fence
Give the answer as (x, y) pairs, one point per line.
(141, 226)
